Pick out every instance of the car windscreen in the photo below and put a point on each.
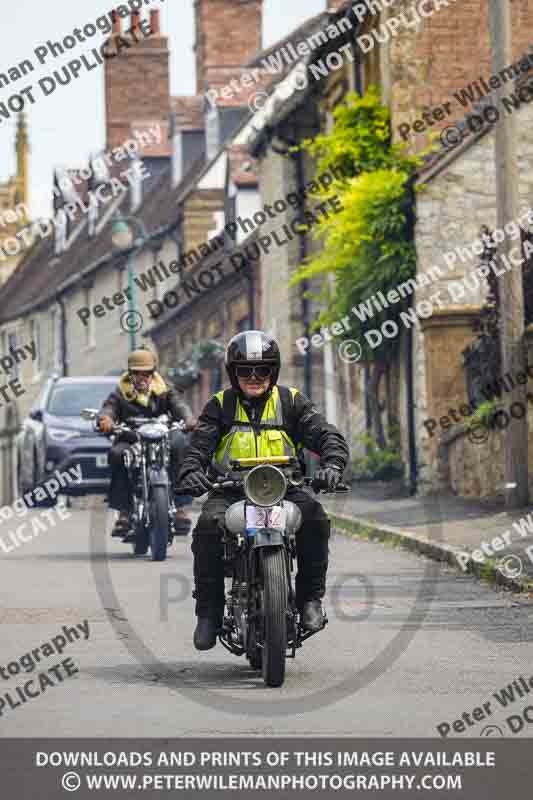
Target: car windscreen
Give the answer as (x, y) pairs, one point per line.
(69, 400)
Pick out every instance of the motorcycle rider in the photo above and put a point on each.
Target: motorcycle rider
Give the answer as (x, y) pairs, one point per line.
(142, 392)
(258, 417)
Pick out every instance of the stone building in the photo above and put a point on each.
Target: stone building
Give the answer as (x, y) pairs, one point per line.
(219, 294)
(419, 66)
(76, 268)
(459, 190)
(222, 187)
(300, 106)
(431, 74)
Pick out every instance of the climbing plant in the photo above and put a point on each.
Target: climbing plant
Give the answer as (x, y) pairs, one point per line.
(368, 245)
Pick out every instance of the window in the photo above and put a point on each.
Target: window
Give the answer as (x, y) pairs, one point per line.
(177, 161)
(89, 328)
(13, 343)
(35, 338)
(212, 120)
(136, 187)
(5, 349)
(122, 281)
(92, 215)
(55, 339)
(159, 287)
(60, 226)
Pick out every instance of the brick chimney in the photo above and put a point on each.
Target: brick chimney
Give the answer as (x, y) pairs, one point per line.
(228, 35)
(333, 5)
(137, 82)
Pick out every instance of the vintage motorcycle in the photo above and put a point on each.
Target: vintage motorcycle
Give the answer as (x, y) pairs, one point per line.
(153, 516)
(261, 619)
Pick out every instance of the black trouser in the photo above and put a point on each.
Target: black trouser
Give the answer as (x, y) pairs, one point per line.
(120, 489)
(311, 549)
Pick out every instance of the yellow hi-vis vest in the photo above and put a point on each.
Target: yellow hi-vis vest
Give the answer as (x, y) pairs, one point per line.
(243, 442)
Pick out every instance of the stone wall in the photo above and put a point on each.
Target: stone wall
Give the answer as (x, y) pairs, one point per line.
(477, 469)
(199, 211)
(456, 200)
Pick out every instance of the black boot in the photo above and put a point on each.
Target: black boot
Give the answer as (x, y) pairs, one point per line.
(312, 551)
(209, 588)
(313, 616)
(205, 634)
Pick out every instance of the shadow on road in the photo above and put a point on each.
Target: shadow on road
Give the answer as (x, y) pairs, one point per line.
(186, 674)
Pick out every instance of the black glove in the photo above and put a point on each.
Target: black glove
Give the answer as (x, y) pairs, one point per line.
(327, 477)
(195, 483)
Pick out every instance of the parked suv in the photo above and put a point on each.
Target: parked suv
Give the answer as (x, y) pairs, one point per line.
(55, 437)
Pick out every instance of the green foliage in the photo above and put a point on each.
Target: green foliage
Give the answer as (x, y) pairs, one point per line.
(368, 244)
(483, 414)
(378, 464)
(361, 139)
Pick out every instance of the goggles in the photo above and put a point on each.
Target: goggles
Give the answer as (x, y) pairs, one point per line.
(140, 373)
(261, 372)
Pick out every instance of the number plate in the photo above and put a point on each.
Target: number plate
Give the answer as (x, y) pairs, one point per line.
(101, 461)
(272, 517)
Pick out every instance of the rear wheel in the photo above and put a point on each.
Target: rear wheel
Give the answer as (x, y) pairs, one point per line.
(142, 540)
(275, 601)
(159, 522)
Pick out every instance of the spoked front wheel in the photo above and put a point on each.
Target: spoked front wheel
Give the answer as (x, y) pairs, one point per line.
(275, 602)
(159, 522)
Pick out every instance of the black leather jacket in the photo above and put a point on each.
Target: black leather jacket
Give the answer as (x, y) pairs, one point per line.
(304, 424)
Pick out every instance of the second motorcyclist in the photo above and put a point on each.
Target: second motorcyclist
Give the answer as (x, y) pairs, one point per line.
(142, 392)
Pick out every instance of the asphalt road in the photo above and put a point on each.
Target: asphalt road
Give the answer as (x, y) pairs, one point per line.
(410, 645)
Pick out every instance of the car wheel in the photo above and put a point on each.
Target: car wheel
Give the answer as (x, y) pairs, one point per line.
(49, 502)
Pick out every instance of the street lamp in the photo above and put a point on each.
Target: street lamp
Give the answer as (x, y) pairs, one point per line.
(122, 237)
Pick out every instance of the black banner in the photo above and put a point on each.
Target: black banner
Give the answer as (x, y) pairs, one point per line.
(477, 769)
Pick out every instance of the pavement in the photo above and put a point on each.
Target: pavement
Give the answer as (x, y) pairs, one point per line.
(385, 665)
(467, 534)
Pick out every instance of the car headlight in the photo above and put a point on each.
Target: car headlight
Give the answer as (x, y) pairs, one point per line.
(265, 485)
(60, 435)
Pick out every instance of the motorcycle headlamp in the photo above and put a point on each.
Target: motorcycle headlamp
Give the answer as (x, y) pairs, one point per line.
(265, 485)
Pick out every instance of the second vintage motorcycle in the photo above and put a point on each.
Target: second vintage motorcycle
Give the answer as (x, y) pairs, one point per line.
(153, 514)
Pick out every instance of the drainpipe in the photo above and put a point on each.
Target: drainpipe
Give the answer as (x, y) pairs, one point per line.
(357, 76)
(410, 394)
(300, 181)
(304, 285)
(411, 438)
(64, 359)
(251, 295)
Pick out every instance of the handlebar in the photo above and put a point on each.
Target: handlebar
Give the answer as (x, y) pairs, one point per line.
(136, 422)
(237, 484)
